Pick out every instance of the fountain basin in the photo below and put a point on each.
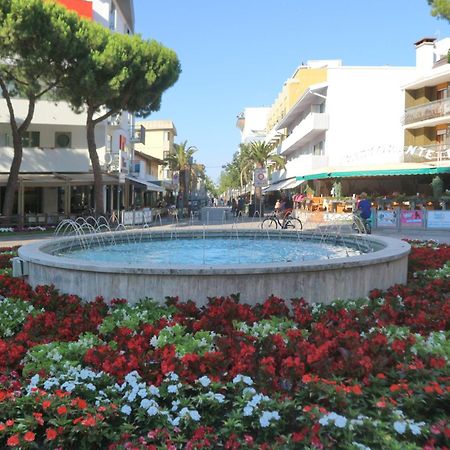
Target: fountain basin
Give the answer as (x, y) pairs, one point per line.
(315, 280)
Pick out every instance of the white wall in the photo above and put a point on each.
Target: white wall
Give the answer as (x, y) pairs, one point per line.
(365, 107)
(255, 120)
(39, 160)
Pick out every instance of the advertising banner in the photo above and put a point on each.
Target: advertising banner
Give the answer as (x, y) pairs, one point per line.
(411, 218)
(386, 219)
(438, 219)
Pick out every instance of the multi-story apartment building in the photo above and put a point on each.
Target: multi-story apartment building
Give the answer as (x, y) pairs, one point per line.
(427, 108)
(56, 177)
(381, 129)
(149, 154)
(344, 124)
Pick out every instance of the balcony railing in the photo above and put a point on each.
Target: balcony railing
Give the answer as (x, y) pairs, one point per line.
(431, 110)
(309, 128)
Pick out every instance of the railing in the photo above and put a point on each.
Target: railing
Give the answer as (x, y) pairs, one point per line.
(312, 124)
(431, 110)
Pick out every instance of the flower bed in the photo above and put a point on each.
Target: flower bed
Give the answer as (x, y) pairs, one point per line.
(359, 374)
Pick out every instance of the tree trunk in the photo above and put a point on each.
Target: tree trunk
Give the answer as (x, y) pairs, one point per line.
(11, 186)
(17, 133)
(92, 147)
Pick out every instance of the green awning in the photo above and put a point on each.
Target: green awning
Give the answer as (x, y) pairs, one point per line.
(376, 173)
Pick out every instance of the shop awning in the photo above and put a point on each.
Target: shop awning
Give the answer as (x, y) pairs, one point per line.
(59, 179)
(379, 171)
(290, 183)
(147, 184)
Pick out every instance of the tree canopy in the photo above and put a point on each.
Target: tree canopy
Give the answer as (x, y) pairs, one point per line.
(117, 73)
(440, 9)
(38, 47)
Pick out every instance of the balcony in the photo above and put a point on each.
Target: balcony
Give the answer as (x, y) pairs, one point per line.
(307, 130)
(427, 112)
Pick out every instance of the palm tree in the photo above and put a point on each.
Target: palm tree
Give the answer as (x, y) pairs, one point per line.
(181, 160)
(262, 156)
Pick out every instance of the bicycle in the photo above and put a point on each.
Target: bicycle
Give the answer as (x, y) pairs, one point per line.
(288, 222)
(361, 225)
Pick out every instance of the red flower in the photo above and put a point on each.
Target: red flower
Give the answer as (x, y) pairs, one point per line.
(61, 410)
(46, 404)
(29, 436)
(38, 417)
(13, 440)
(51, 434)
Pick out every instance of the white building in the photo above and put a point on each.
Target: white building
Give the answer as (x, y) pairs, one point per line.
(56, 177)
(349, 124)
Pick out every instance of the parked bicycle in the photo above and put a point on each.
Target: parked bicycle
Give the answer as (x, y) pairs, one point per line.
(287, 222)
(361, 225)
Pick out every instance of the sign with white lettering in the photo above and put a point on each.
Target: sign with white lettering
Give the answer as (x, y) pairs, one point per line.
(438, 219)
(386, 219)
(414, 153)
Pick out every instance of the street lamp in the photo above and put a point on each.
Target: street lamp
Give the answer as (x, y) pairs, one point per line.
(190, 161)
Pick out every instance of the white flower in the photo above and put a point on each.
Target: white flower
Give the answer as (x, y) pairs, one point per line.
(142, 393)
(146, 403)
(267, 416)
(154, 390)
(340, 421)
(194, 415)
(152, 411)
(172, 376)
(69, 386)
(400, 427)
(219, 397)
(126, 409)
(204, 381)
(90, 386)
(172, 389)
(248, 410)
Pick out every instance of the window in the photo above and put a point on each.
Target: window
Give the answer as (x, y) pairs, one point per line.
(63, 139)
(318, 149)
(112, 17)
(4, 140)
(441, 93)
(31, 139)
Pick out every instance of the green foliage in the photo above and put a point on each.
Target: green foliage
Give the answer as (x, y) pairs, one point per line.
(119, 72)
(440, 9)
(55, 357)
(184, 341)
(437, 185)
(132, 316)
(13, 313)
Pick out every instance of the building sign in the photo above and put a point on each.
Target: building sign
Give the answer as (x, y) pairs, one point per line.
(389, 152)
(386, 219)
(410, 218)
(437, 152)
(438, 219)
(176, 178)
(260, 178)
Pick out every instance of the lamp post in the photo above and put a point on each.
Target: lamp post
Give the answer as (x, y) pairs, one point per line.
(189, 178)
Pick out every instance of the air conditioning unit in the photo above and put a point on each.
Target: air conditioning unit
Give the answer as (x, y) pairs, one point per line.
(63, 139)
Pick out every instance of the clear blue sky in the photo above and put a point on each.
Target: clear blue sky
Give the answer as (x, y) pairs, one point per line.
(238, 53)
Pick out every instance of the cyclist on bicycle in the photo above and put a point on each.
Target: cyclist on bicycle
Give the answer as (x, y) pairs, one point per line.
(364, 208)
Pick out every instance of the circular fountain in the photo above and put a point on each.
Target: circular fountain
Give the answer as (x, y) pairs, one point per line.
(355, 266)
